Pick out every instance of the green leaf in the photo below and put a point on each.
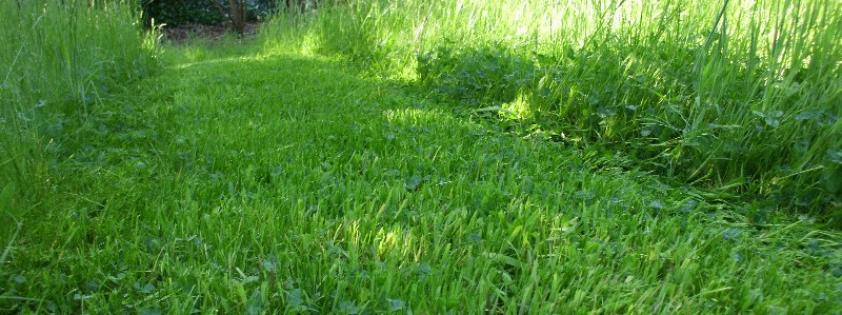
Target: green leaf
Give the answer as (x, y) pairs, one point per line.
(255, 304)
(395, 304)
(149, 311)
(414, 182)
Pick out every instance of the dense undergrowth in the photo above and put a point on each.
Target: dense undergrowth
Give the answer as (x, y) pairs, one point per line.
(736, 95)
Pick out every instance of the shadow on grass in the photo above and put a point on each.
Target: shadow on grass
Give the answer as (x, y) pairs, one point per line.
(289, 182)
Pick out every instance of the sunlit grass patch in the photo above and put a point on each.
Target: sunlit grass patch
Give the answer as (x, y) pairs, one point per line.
(717, 93)
(282, 176)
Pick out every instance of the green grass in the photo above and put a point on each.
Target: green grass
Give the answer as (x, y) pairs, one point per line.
(273, 176)
(238, 181)
(58, 59)
(737, 94)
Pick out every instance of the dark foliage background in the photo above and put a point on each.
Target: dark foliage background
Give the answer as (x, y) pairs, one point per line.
(179, 12)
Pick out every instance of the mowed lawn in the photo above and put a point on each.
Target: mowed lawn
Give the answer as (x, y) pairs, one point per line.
(238, 180)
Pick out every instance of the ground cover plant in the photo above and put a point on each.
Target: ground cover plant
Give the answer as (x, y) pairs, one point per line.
(370, 157)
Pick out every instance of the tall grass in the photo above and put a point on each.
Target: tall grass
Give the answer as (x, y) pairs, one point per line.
(58, 58)
(740, 95)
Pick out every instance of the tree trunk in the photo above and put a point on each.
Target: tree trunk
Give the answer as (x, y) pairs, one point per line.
(237, 12)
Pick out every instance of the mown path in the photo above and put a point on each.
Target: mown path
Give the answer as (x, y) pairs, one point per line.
(249, 183)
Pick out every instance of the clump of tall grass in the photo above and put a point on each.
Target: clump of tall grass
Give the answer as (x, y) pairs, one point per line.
(743, 95)
(70, 50)
(58, 58)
